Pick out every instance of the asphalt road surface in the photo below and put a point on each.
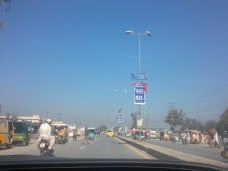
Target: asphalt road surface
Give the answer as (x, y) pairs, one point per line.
(202, 150)
(102, 147)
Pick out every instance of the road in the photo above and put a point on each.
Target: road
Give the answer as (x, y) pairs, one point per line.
(102, 147)
(202, 150)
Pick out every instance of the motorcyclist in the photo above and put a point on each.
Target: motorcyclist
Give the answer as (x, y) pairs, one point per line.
(183, 137)
(47, 132)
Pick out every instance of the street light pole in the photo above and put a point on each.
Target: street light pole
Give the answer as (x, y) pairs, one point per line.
(139, 53)
(139, 60)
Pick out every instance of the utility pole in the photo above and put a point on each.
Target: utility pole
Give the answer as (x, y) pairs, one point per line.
(0, 109)
(147, 119)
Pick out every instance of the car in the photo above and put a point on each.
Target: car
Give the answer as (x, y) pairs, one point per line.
(153, 136)
(127, 135)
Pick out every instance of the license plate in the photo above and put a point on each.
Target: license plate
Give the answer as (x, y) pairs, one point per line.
(42, 145)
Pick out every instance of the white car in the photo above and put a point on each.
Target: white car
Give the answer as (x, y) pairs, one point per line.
(152, 136)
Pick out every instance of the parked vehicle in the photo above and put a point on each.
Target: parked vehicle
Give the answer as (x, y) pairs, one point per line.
(164, 136)
(22, 133)
(138, 135)
(147, 134)
(153, 136)
(6, 133)
(127, 135)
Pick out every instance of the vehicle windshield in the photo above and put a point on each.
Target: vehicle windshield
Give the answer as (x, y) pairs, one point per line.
(18, 127)
(105, 79)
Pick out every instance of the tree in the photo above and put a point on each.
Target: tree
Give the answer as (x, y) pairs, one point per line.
(3, 3)
(192, 124)
(101, 128)
(210, 124)
(175, 118)
(134, 120)
(186, 124)
(222, 125)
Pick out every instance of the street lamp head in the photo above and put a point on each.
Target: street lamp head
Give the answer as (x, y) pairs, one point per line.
(129, 32)
(148, 33)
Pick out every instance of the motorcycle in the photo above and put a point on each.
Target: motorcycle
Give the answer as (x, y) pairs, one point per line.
(44, 150)
(184, 140)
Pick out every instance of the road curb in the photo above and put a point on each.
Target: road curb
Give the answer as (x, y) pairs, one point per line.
(150, 151)
(163, 153)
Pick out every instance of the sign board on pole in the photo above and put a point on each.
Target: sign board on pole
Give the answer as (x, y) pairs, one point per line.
(120, 117)
(139, 76)
(139, 95)
(139, 122)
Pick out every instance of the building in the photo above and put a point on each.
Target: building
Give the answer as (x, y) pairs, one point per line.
(34, 118)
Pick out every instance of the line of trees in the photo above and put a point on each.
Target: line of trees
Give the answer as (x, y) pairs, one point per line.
(177, 118)
(3, 6)
(101, 128)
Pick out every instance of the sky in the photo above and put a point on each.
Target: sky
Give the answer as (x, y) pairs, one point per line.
(65, 59)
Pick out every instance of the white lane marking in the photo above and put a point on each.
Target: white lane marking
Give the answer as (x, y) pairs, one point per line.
(82, 147)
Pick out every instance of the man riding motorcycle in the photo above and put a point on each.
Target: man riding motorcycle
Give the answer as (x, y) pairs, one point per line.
(184, 138)
(47, 132)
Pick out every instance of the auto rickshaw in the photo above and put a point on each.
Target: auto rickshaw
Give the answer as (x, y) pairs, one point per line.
(91, 133)
(225, 145)
(195, 136)
(22, 133)
(6, 133)
(164, 136)
(110, 133)
(62, 134)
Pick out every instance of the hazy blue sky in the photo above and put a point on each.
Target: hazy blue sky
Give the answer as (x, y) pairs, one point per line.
(68, 57)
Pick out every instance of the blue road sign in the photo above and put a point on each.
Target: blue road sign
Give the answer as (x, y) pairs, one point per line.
(139, 76)
(139, 95)
(120, 117)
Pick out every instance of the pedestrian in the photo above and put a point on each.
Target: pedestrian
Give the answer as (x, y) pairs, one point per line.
(75, 134)
(202, 139)
(85, 136)
(188, 137)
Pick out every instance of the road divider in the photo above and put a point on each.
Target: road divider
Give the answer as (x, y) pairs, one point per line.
(162, 153)
(136, 150)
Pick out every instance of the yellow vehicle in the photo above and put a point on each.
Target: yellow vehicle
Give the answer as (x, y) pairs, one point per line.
(6, 133)
(164, 136)
(110, 133)
(195, 136)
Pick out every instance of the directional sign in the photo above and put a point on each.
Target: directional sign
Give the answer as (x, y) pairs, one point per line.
(139, 76)
(139, 95)
(120, 117)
